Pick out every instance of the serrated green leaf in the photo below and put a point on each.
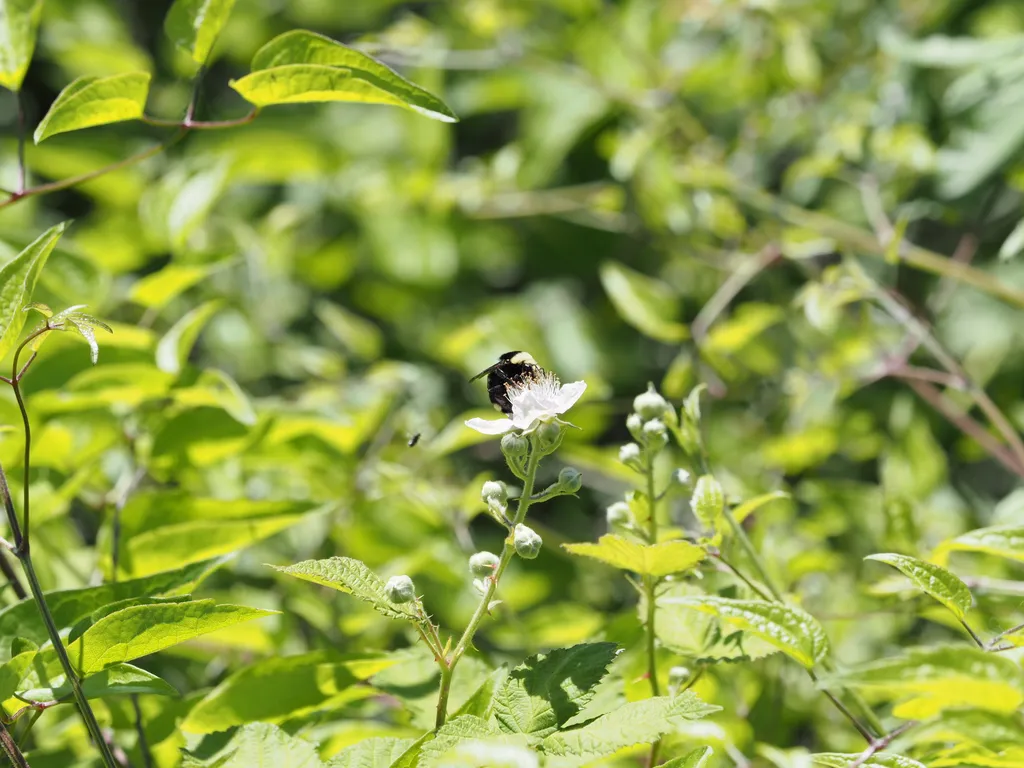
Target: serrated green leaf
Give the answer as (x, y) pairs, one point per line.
(931, 579)
(306, 83)
(742, 511)
(637, 722)
(377, 752)
(260, 744)
(481, 703)
(19, 23)
(383, 84)
(880, 760)
(1000, 540)
(696, 759)
(547, 689)
(69, 606)
(156, 290)
(793, 631)
(274, 689)
(144, 629)
(193, 25)
(646, 559)
(353, 577)
(458, 729)
(927, 681)
(18, 280)
(645, 303)
(173, 349)
(92, 101)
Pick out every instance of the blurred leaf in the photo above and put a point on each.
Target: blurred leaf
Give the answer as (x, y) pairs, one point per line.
(17, 282)
(193, 25)
(156, 290)
(19, 22)
(645, 559)
(931, 579)
(305, 66)
(144, 629)
(999, 540)
(646, 304)
(278, 688)
(1013, 244)
(173, 349)
(878, 760)
(637, 722)
(259, 744)
(927, 681)
(360, 337)
(791, 630)
(353, 577)
(742, 511)
(215, 388)
(696, 759)
(92, 101)
(547, 690)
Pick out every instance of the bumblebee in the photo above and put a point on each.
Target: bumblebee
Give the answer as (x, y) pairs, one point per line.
(513, 369)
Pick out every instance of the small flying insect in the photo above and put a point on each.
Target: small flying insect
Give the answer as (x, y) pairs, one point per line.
(513, 369)
(414, 439)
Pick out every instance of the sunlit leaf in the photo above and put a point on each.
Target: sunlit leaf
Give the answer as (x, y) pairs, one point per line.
(379, 752)
(19, 23)
(17, 282)
(353, 577)
(646, 559)
(791, 630)
(260, 744)
(742, 511)
(879, 760)
(193, 25)
(92, 101)
(369, 79)
(1000, 540)
(932, 580)
(157, 289)
(696, 759)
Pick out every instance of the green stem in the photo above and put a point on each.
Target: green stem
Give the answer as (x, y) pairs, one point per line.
(10, 748)
(507, 552)
(650, 584)
(974, 635)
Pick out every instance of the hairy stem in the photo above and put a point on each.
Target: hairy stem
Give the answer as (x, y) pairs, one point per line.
(507, 552)
(11, 749)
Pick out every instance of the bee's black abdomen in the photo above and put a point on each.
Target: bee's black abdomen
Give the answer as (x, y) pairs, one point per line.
(512, 369)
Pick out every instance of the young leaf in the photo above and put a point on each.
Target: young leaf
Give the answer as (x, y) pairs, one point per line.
(305, 83)
(277, 688)
(193, 25)
(18, 280)
(173, 349)
(300, 47)
(546, 690)
(144, 629)
(696, 759)
(645, 303)
(260, 744)
(353, 577)
(793, 631)
(931, 579)
(91, 101)
(880, 760)
(1000, 540)
(645, 559)
(69, 606)
(19, 23)
(930, 680)
(637, 722)
(378, 752)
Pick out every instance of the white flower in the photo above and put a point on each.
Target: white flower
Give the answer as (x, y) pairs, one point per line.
(542, 399)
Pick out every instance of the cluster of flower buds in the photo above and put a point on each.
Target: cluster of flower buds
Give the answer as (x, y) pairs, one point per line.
(708, 501)
(494, 494)
(649, 424)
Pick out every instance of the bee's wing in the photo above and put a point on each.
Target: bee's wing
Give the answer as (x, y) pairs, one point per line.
(485, 371)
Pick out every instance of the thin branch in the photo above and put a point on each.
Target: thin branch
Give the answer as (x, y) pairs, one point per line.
(974, 635)
(12, 577)
(1005, 633)
(10, 748)
(201, 125)
(729, 289)
(140, 729)
(877, 745)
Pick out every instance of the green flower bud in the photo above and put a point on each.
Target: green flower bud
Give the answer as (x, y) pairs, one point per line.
(494, 493)
(515, 446)
(651, 405)
(527, 542)
(400, 589)
(707, 501)
(619, 515)
(678, 677)
(570, 480)
(630, 455)
(681, 476)
(655, 435)
(483, 564)
(548, 437)
(635, 425)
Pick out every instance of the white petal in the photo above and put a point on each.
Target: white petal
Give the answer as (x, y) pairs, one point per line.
(490, 426)
(569, 394)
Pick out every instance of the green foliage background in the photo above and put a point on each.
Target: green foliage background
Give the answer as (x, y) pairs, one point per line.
(750, 195)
